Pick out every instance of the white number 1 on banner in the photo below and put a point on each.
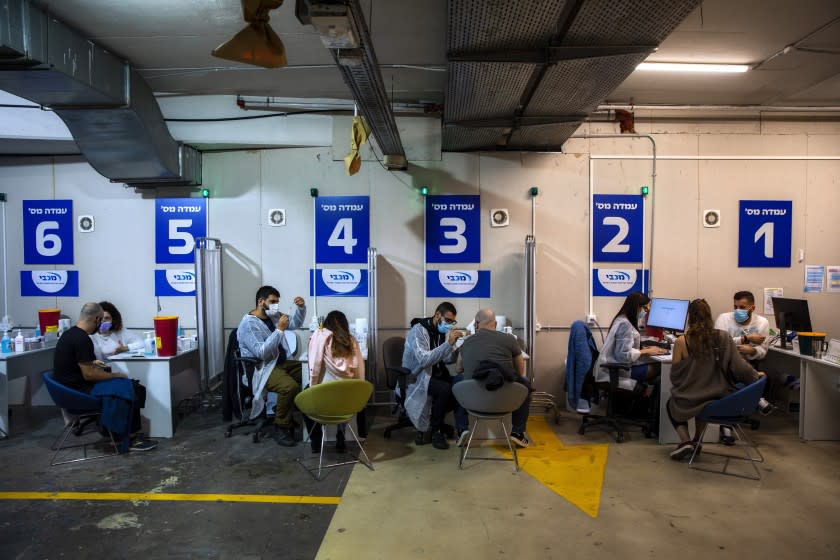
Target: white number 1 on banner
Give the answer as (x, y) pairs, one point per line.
(766, 230)
(342, 236)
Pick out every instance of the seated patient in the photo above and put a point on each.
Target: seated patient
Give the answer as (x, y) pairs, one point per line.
(334, 354)
(75, 366)
(112, 338)
(706, 367)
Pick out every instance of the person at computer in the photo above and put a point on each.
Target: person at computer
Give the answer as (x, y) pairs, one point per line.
(623, 344)
(429, 346)
(707, 365)
(491, 345)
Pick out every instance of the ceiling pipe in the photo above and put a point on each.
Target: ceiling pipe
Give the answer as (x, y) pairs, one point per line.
(604, 107)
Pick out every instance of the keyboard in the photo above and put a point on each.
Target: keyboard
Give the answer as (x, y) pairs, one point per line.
(663, 344)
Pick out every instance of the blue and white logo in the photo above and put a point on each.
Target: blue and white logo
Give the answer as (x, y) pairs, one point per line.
(174, 282)
(458, 283)
(49, 283)
(618, 282)
(347, 282)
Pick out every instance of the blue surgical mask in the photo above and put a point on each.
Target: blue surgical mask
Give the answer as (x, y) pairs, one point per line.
(105, 326)
(444, 328)
(741, 315)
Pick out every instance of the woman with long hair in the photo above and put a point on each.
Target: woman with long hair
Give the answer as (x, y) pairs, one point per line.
(112, 338)
(706, 367)
(623, 343)
(334, 354)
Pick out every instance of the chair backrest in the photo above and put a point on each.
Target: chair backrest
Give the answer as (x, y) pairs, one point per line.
(472, 395)
(392, 354)
(739, 404)
(336, 398)
(73, 401)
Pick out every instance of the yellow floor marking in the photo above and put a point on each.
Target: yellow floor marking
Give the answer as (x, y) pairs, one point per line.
(166, 497)
(574, 472)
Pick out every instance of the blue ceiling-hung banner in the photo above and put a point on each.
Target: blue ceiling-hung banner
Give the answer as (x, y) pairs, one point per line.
(178, 222)
(765, 233)
(51, 283)
(338, 282)
(174, 282)
(618, 225)
(618, 282)
(458, 283)
(48, 232)
(453, 229)
(342, 229)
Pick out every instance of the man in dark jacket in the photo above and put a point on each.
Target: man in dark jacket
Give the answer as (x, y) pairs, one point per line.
(488, 344)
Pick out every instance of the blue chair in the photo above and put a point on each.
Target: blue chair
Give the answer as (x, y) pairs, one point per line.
(80, 409)
(732, 410)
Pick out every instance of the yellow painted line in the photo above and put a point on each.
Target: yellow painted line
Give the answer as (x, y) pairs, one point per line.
(575, 472)
(167, 497)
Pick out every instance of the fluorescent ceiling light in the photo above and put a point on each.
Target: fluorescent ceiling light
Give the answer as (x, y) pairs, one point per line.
(685, 67)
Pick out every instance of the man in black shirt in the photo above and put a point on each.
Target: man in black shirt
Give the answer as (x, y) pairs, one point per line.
(75, 366)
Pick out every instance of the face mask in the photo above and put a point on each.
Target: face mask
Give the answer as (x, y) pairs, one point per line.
(105, 326)
(444, 328)
(741, 315)
(273, 310)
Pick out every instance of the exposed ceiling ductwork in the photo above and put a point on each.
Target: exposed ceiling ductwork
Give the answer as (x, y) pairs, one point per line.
(111, 112)
(524, 75)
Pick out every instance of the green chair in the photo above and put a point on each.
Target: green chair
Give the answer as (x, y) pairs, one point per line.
(335, 403)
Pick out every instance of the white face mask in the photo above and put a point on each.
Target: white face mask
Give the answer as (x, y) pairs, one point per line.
(273, 310)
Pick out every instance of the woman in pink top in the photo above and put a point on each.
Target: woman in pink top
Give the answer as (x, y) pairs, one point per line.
(334, 354)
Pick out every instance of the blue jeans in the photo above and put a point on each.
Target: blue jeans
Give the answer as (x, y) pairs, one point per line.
(518, 418)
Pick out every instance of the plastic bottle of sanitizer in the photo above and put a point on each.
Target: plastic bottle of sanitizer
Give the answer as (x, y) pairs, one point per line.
(19, 342)
(149, 344)
(6, 343)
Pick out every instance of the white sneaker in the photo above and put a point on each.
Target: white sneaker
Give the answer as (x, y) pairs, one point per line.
(583, 406)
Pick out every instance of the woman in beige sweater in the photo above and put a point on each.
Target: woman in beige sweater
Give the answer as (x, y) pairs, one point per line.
(706, 367)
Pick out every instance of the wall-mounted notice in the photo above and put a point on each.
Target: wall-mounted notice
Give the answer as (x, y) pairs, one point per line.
(48, 232)
(178, 222)
(458, 283)
(618, 226)
(618, 282)
(51, 283)
(814, 278)
(764, 233)
(342, 229)
(174, 282)
(832, 280)
(453, 229)
(769, 294)
(338, 282)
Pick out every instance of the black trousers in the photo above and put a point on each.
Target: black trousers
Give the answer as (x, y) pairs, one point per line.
(139, 402)
(440, 391)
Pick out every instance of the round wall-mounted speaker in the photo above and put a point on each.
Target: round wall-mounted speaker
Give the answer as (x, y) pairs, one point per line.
(277, 217)
(499, 217)
(711, 218)
(86, 224)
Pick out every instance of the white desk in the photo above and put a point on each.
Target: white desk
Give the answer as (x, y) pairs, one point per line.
(168, 381)
(19, 365)
(819, 392)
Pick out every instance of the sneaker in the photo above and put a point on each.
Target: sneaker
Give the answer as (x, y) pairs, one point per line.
(683, 451)
(439, 441)
(283, 437)
(463, 437)
(339, 442)
(583, 407)
(519, 439)
(419, 438)
(765, 407)
(143, 445)
(726, 436)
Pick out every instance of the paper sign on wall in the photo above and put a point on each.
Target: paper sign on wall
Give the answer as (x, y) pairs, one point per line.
(55, 283)
(618, 224)
(174, 282)
(458, 283)
(338, 282)
(764, 233)
(48, 232)
(453, 229)
(342, 229)
(178, 222)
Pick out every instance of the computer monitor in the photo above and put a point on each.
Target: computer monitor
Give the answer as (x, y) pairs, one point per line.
(667, 314)
(792, 314)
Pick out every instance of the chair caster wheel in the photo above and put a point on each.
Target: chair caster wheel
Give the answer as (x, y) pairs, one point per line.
(649, 434)
(619, 438)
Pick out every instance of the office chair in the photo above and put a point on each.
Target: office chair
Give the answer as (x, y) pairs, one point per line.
(79, 409)
(397, 376)
(489, 405)
(732, 410)
(334, 403)
(613, 421)
(245, 398)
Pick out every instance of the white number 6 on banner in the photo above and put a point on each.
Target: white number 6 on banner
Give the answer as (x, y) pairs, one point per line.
(42, 239)
(342, 236)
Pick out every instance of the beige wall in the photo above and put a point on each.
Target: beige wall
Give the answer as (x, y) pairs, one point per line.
(689, 260)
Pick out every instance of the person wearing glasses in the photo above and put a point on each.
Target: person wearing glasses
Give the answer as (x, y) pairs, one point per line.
(706, 367)
(429, 346)
(623, 344)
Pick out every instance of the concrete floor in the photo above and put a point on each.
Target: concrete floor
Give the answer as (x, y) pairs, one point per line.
(416, 504)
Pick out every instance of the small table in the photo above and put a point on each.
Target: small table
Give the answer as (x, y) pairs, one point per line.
(20, 364)
(168, 381)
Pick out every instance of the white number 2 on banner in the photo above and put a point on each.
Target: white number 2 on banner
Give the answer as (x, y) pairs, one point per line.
(342, 236)
(616, 244)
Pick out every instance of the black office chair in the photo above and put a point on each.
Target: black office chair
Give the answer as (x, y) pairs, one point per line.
(397, 376)
(239, 371)
(613, 421)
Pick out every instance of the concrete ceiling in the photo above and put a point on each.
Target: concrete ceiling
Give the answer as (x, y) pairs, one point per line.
(169, 42)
